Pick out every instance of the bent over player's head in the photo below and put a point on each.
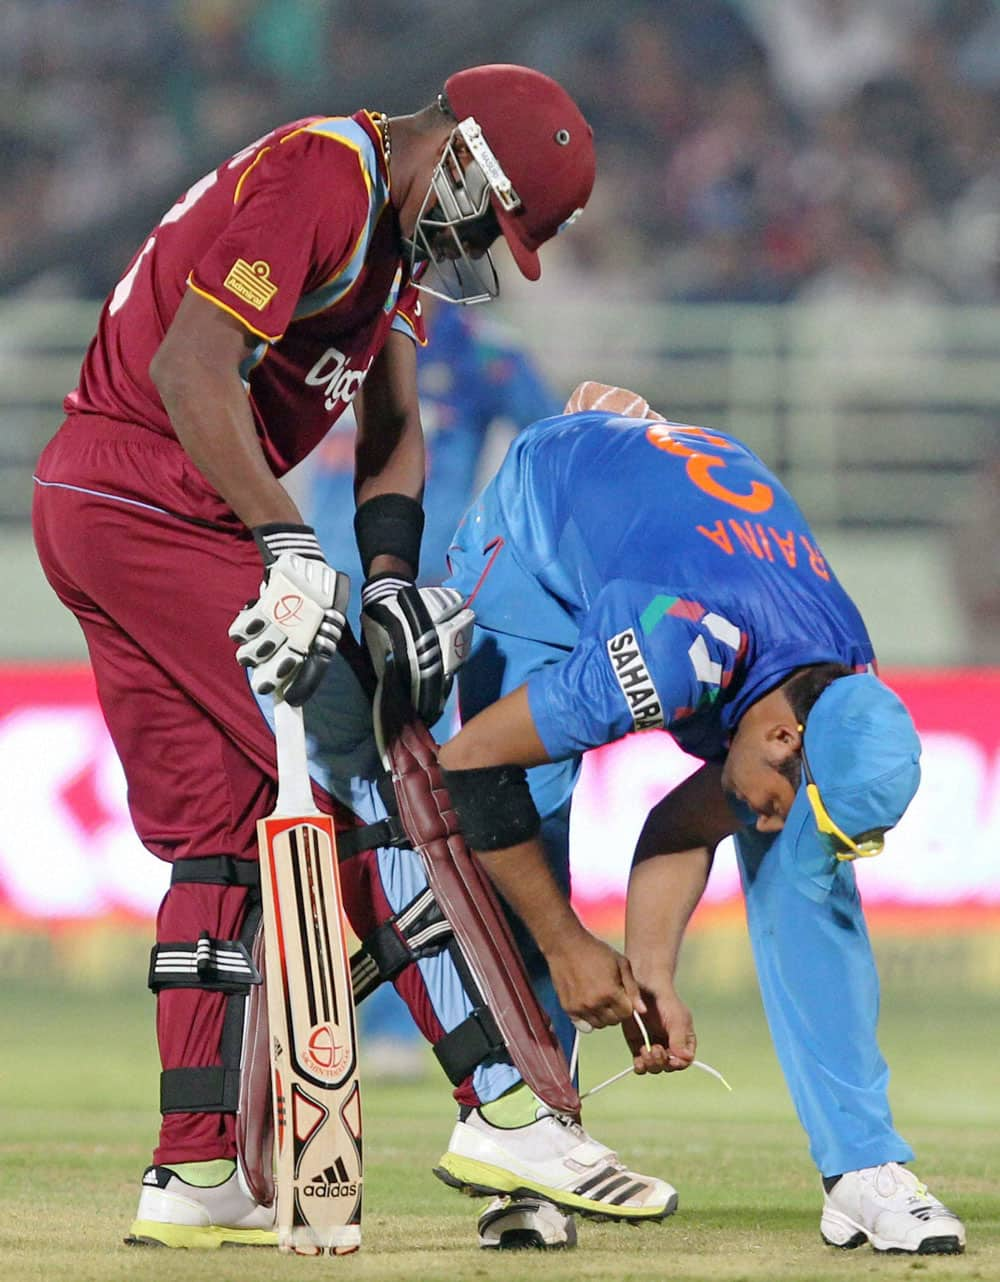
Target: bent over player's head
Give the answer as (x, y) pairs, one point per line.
(829, 754)
(518, 162)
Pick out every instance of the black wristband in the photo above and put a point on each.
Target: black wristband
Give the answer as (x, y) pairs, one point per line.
(277, 539)
(389, 525)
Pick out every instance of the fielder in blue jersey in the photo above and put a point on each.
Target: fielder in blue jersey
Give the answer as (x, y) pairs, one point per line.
(632, 574)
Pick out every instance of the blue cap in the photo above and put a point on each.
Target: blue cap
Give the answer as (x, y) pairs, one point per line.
(864, 754)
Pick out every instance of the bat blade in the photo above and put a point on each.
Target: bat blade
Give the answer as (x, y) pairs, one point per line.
(317, 1105)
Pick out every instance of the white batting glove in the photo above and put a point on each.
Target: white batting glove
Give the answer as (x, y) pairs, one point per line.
(426, 631)
(291, 632)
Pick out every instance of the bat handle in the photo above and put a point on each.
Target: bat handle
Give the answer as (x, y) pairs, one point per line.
(294, 786)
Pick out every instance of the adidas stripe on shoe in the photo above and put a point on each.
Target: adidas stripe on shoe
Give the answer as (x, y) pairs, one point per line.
(890, 1208)
(553, 1158)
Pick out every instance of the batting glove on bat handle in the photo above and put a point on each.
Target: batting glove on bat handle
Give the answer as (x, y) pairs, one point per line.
(291, 632)
(427, 632)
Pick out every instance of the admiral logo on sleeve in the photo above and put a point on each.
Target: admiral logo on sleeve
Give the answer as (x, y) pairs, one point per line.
(251, 282)
(636, 683)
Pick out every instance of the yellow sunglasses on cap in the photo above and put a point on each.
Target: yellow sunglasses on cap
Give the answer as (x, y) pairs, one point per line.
(863, 846)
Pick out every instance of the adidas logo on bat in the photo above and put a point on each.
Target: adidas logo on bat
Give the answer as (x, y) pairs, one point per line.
(333, 1182)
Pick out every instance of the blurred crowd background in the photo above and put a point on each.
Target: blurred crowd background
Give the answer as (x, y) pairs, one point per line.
(788, 158)
(750, 150)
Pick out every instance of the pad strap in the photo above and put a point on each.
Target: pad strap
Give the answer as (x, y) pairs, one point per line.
(418, 930)
(199, 1090)
(216, 870)
(386, 832)
(476, 1040)
(217, 965)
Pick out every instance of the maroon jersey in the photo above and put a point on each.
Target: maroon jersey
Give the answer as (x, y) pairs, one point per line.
(295, 236)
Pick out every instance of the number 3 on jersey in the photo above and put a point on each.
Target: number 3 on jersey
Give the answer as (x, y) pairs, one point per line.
(700, 465)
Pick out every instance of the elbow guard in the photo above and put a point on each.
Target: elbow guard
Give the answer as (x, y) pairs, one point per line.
(494, 806)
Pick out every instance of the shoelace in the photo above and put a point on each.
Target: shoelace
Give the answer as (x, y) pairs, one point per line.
(617, 1077)
(918, 1190)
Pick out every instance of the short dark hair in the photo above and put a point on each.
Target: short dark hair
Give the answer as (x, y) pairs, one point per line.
(805, 686)
(802, 689)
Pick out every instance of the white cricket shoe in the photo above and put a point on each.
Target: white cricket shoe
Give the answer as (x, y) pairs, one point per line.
(514, 1224)
(174, 1213)
(553, 1158)
(889, 1207)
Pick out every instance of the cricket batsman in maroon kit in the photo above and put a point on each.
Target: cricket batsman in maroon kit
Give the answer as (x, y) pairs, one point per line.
(280, 288)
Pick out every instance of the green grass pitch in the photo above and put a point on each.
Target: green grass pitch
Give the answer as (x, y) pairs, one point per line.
(77, 1121)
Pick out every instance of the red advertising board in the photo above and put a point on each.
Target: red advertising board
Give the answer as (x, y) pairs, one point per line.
(68, 853)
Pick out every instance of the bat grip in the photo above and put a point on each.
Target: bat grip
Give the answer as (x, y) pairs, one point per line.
(294, 786)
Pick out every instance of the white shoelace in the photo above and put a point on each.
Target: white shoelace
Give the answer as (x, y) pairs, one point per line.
(574, 1058)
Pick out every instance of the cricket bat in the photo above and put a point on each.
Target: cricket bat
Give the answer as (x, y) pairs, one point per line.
(314, 1063)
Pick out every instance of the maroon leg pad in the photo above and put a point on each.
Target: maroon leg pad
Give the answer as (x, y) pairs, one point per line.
(467, 898)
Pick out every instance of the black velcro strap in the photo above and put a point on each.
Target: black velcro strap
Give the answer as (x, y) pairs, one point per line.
(199, 1090)
(387, 832)
(494, 805)
(476, 1039)
(390, 525)
(387, 791)
(418, 930)
(381, 957)
(216, 870)
(216, 965)
(388, 949)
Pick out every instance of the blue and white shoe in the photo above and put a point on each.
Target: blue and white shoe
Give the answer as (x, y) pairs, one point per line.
(890, 1208)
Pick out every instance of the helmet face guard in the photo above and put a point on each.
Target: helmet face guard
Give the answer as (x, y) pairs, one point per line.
(449, 252)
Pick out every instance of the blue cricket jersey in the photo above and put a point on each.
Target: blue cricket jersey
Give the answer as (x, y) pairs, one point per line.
(691, 581)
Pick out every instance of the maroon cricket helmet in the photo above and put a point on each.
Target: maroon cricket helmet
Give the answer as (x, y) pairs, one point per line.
(541, 141)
